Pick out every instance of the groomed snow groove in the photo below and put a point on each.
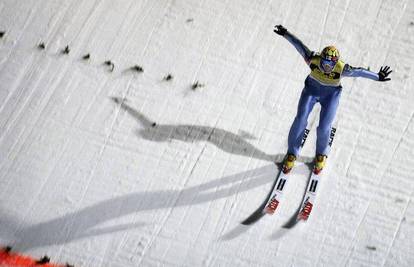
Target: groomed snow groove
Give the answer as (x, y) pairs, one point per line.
(113, 164)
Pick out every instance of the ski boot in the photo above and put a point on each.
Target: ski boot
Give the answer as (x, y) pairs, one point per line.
(288, 163)
(320, 161)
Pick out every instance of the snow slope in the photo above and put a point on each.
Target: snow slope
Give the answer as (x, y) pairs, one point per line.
(87, 178)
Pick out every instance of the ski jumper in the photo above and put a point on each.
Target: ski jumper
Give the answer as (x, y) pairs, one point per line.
(323, 88)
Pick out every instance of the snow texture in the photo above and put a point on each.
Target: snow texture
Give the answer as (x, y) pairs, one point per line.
(113, 164)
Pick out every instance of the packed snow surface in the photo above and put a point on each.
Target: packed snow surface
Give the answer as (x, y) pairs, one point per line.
(151, 150)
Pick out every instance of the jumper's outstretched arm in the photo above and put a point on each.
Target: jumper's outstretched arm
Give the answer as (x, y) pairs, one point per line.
(382, 75)
(303, 50)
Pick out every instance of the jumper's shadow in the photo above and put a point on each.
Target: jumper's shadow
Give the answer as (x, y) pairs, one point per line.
(224, 140)
(89, 221)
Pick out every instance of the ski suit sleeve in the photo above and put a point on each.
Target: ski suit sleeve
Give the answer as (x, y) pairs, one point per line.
(303, 50)
(350, 71)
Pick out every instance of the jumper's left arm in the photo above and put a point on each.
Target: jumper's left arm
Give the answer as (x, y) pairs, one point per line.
(350, 71)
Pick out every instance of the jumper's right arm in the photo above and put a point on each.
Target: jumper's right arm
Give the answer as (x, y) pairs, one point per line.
(303, 50)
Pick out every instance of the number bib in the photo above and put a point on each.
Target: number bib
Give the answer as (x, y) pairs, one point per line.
(331, 79)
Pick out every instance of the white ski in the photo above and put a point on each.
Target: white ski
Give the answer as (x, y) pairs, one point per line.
(310, 195)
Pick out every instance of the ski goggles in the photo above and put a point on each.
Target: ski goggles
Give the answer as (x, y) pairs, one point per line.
(327, 64)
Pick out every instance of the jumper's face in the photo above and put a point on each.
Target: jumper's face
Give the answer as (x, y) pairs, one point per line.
(327, 65)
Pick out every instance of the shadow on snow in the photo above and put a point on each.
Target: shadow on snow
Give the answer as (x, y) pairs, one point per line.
(85, 222)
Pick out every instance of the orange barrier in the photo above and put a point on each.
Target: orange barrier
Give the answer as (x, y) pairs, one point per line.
(11, 259)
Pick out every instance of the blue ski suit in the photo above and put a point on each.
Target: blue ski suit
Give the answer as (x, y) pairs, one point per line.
(322, 88)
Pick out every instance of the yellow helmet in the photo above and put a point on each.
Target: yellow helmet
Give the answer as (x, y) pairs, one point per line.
(330, 53)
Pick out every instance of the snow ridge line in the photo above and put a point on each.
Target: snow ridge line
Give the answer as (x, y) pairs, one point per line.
(396, 233)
